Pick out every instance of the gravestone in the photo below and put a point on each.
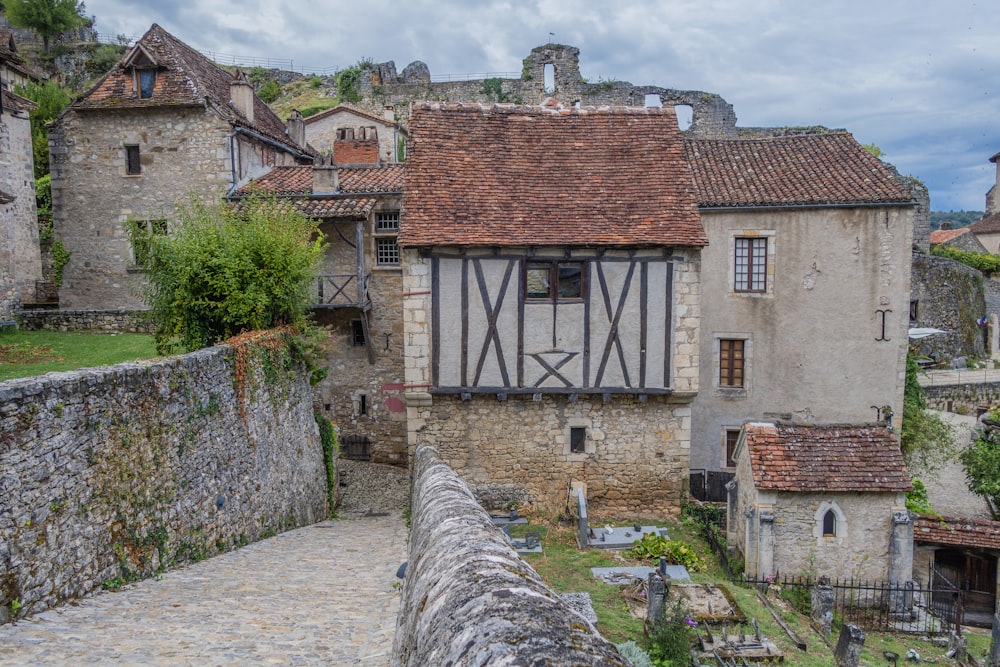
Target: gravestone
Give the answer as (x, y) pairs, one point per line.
(822, 604)
(849, 646)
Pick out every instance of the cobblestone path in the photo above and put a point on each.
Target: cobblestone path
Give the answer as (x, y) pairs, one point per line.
(319, 595)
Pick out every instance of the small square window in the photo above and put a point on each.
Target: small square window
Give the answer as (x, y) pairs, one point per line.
(387, 252)
(132, 164)
(562, 281)
(387, 222)
(577, 440)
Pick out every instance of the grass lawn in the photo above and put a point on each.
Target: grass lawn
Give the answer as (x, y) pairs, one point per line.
(27, 353)
(567, 569)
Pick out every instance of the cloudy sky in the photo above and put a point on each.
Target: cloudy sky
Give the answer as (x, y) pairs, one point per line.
(919, 79)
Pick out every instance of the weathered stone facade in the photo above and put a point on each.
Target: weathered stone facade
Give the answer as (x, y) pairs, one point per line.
(949, 296)
(20, 255)
(115, 473)
(815, 330)
(460, 566)
(109, 321)
(322, 132)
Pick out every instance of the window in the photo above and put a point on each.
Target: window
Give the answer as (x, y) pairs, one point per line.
(731, 360)
(732, 437)
(750, 264)
(554, 281)
(914, 310)
(140, 232)
(147, 81)
(830, 524)
(577, 440)
(386, 229)
(132, 165)
(357, 333)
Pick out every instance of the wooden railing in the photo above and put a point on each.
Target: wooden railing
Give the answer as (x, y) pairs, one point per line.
(340, 290)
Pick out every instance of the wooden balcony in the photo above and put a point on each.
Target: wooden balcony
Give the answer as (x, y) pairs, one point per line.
(341, 290)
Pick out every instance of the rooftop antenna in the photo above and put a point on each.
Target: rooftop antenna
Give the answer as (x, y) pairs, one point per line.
(551, 35)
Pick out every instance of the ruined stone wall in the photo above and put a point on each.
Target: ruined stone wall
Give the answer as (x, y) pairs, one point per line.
(110, 321)
(460, 566)
(113, 474)
(965, 398)
(950, 296)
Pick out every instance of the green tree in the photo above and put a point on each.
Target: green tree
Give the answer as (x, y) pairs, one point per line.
(269, 91)
(228, 269)
(47, 18)
(925, 436)
(982, 461)
(51, 99)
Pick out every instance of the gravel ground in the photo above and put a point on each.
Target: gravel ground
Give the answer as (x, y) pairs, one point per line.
(946, 486)
(372, 488)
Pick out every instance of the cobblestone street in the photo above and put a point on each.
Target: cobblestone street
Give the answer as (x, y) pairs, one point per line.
(319, 595)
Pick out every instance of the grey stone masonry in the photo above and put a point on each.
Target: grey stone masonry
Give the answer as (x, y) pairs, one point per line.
(111, 321)
(468, 599)
(113, 474)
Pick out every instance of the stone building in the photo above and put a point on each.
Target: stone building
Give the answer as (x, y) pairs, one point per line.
(551, 299)
(352, 134)
(821, 500)
(20, 256)
(961, 239)
(358, 296)
(14, 71)
(164, 125)
(805, 286)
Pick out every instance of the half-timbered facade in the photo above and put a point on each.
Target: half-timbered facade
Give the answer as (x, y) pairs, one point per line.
(550, 304)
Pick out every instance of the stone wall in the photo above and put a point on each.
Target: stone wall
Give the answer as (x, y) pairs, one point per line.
(963, 397)
(111, 321)
(113, 474)
(20, 254)
(460, 566)
(950, 296)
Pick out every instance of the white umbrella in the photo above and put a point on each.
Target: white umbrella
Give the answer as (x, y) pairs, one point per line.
(923, 332)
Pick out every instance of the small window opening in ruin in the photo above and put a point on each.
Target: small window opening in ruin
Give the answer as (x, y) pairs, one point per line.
(914, 310)
(685, 116)
(132, 165)
(362, 404)
(830, 524)
(357, 333)
(577, 440)
(550, 78)
(653, 101)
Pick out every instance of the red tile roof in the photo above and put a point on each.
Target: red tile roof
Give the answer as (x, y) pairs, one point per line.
(930, 529)
(517, 175)
(945, 235)
(16, 102)
(296, 184)
(809, 169)
(184, 78)
(989, 224)
(786, 457)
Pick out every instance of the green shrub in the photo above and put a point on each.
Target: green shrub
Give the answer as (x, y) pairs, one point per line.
(269, 91)
(634, 653)
(670, 641)
(988, 263)
(653, 546)
(917, 500)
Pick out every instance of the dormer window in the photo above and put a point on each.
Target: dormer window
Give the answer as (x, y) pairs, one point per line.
(147, 80)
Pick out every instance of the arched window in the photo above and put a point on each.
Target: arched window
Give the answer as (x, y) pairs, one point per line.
(830, 524)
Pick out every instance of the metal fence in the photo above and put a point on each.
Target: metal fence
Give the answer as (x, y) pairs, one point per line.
(881, 606)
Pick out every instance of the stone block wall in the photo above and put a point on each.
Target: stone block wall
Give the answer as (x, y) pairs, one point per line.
(965, 397)
(112, 474)
(110, 321)
(950, 296)
(460, 566)
(20, 254)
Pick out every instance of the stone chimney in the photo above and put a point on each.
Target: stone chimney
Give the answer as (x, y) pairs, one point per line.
(241, 95)
(326, 180)
(297, 128)
(389, 113)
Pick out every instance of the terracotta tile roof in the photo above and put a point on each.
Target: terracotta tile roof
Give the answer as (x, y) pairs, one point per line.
(786, 457)
(810, 169)
(297, 180)
(930, 529)
(11, 58)
(945, 235)
(16, 102)
(341, 108)
(517, 175)
(295, 183)
(184, 78)
(989, 224)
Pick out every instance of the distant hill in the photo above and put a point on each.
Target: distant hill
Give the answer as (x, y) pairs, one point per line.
(956, 218)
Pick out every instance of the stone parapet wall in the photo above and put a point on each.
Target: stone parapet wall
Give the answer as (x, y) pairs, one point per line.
(110, 321)
(460, 566)
(962, 397)
(113, 474)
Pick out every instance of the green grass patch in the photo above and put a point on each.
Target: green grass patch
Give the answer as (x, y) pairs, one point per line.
(28, 353)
